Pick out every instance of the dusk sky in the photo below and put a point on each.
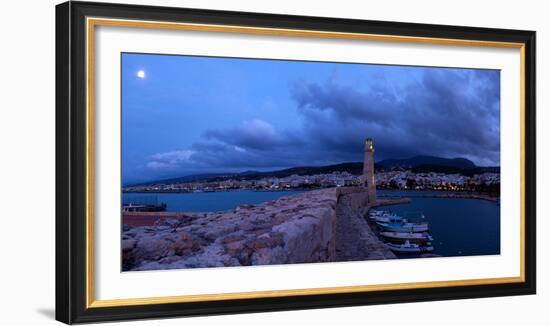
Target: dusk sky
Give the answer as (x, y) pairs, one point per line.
(186, 115)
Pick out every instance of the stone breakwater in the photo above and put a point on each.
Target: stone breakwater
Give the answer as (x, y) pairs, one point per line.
(316, 226)
(355, 239)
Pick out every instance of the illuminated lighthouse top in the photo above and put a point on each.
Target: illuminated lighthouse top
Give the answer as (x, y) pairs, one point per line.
(369, 145)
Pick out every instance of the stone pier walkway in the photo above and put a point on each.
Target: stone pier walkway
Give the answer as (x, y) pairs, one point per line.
(354, 238)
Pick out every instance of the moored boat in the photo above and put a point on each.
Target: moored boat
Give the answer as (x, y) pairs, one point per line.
(401, 237)
(409, 247)
(390, 219)
(403, 226)
(384, 217)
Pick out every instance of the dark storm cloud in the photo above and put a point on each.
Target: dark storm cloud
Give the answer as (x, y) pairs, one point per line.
(445, 113)
(440, 112)
(256, 134)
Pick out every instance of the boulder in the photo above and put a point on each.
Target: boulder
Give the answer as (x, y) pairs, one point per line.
(185, 244)
(151, 248)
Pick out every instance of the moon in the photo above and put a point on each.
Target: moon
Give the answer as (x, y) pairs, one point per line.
(140, 74)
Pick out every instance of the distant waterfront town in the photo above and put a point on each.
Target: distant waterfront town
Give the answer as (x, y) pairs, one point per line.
(391, 180)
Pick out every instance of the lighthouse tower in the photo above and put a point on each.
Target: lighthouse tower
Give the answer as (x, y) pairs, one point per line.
(368, 170)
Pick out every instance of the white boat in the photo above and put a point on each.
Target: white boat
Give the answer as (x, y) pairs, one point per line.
(404, 226)
(374, 214)
(390, 219)
(408, 247)
(401, 237)
(384, 217)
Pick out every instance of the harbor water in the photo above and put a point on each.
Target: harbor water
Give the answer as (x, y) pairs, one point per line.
(460, 227)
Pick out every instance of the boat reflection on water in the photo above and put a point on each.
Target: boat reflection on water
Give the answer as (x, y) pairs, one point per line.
(402, 237)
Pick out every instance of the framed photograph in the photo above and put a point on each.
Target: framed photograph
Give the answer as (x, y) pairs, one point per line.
(214, 162)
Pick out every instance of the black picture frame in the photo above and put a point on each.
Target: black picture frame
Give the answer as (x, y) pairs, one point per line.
(71, 158)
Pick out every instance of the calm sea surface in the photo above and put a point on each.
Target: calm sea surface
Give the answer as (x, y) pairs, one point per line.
(460, 227)
(209, 201)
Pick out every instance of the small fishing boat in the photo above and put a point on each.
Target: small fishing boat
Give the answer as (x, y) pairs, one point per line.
(409, 247)
(402, 237)
(384, 217)
(404, 226)
(390, 219)
(375, 214)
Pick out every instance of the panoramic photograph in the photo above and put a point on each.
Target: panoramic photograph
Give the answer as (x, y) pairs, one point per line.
(243, 162)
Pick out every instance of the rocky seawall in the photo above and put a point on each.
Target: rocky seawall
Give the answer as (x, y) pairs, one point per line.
(317, 226)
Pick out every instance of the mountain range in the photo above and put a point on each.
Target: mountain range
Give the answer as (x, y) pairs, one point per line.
(416, 161)
(417, 164)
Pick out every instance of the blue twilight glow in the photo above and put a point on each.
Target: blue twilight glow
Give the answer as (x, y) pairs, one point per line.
(186, 115)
